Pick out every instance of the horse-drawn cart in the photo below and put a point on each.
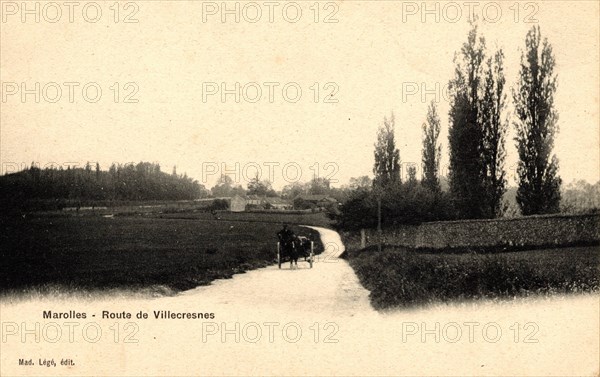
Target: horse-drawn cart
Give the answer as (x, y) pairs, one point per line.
(299, 247)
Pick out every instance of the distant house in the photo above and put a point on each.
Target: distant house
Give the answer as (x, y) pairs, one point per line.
(319, 201)
(266, 202)
(278, 203)
(237, 204)
(254, 200)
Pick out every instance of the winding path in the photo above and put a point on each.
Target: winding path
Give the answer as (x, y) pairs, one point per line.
(331, 288)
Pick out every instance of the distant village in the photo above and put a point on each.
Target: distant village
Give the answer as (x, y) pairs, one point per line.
(239, 203)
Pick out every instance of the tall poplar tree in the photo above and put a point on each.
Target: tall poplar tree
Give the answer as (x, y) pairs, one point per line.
(387, 156)
(536, 125)
(465, 133)
(494, 129)
(431, 150)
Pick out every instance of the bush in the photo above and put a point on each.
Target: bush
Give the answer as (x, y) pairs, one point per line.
(407, 203)
(219, 205)
(403, 277)
(359, 211)
(302, 204)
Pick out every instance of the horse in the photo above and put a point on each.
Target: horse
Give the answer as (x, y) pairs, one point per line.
(291, 248)
(303, 247)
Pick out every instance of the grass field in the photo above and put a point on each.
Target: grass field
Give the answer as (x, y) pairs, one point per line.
(403, 278)
(95, 252)
(190, 210)
(317, 218)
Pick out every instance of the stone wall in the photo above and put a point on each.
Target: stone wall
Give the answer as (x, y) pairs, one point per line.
(535, 231)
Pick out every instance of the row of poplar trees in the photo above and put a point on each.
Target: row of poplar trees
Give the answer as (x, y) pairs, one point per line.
(478, 128)
(477, 133)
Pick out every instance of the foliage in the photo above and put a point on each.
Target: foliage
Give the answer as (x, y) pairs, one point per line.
(144, 181)
(477, 131)
(260, 188)
(401, 203)
(300, 203)
(494, 133)
(319, 186)
(316, 186)
(410, 203)
(224, 188)
(219, 205)
(362, 182)
(465, 133)
(536, 124)
(359, 211)
(431, 150)
(402, 278)
(412, 176)
(294, 190)
(387, 156)
(580, 197)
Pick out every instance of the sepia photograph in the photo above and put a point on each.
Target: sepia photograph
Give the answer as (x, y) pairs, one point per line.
(299, 188)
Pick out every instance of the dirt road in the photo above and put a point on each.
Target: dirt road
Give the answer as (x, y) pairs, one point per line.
(305, 322)
(330, 289)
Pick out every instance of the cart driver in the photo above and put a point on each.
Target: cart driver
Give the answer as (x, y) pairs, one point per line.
(285, 235)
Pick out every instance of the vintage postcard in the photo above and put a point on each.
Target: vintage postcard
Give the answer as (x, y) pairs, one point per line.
(299, 188)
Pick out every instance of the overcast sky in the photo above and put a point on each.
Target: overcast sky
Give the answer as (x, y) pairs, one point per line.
(377, 58)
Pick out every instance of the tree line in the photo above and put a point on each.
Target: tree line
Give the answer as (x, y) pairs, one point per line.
(57, 187)
(127, 182)
(478, 125)
(226, 187)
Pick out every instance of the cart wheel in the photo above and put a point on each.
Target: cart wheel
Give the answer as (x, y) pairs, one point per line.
(278, 255)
